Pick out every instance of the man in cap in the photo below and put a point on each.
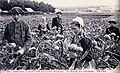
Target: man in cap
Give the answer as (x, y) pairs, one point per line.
(17, 31)
(113, 29)
(57, 21)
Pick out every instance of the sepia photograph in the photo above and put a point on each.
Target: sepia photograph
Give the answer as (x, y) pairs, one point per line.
(64, 36)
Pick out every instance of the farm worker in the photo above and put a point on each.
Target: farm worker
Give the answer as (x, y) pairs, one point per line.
(77, 27)
(43, 27)
(57, 21)
(81, 40)
(113, 29)
(17, 31)
(44, 23)
(76, 32)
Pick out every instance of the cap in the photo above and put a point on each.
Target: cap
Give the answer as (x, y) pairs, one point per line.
(16, 10)
(57, 11)
(112, 21)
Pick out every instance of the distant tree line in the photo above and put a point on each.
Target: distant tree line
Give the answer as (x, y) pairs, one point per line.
(36, 6)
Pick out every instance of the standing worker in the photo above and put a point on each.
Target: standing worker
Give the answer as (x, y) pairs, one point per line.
(57, 21)
(17, 31)
(43, 27)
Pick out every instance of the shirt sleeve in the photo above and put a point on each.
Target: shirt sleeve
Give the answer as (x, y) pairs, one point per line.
(53, 22)
(28, 36)
(5, 36)
(39, 27)
(48, 27)
(117, 32)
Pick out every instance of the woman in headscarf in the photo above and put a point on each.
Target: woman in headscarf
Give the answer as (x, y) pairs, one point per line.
(81, 40)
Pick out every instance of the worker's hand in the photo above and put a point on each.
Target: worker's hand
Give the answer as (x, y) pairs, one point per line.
(11, 45)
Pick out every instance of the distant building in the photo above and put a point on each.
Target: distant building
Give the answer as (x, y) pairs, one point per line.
(18, 0)
(91, 10)
(117, 10)
(5, 11)
(70, 11)
(29, 9)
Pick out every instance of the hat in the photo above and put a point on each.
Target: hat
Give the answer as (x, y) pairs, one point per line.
(16, 10)
(79, 20)
(57, 11)
(112, 21)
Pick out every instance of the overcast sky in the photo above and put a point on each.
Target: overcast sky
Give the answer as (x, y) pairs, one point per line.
(82, 3)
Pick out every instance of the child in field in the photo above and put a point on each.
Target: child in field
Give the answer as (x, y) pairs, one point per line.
(44, 27)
